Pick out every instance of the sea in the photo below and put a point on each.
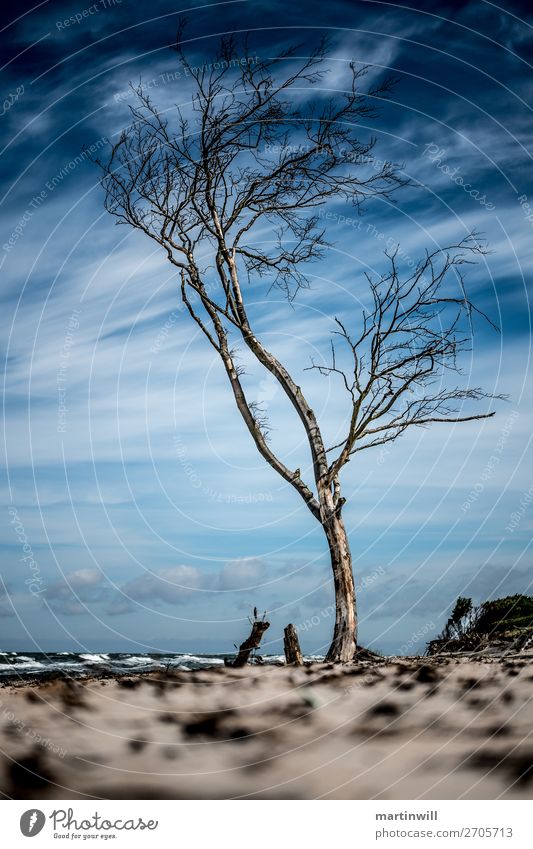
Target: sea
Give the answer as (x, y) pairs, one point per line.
(35, 665)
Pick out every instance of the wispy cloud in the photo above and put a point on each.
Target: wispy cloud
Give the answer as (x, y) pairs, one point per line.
(140, 491)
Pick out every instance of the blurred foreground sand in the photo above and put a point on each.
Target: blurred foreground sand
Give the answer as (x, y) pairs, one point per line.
(396, 729)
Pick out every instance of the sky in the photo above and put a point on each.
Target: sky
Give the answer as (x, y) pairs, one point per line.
(136, 514)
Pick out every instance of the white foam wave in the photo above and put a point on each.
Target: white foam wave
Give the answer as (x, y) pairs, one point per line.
(139, 661)
(28, 664)
(205, 661)
(95, 658)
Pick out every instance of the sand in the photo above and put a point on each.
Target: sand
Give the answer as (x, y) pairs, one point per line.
(448, 728)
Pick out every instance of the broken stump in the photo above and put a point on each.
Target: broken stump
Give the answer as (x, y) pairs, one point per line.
(291, 645)
(246, 648)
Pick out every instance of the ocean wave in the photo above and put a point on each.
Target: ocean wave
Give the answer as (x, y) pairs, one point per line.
(95, 658)
(28, 664)
(205, 661)
(139, 660)
(73, 663)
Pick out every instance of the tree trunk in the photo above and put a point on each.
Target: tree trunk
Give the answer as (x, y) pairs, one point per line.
(246, 648)
(344, 643)
(291, 646)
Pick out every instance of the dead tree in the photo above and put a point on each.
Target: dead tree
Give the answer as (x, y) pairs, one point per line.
(291, 646)
(250, 644)
(245, 157)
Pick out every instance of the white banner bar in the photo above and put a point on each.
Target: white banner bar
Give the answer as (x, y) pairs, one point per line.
(240, 824)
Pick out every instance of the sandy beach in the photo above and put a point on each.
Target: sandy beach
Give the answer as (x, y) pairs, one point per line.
(398, 728)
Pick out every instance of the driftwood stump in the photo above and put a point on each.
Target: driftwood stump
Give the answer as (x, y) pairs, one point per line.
(291, 645)
(246, 648)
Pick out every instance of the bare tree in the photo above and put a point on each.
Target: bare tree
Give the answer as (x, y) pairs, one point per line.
(252, 156)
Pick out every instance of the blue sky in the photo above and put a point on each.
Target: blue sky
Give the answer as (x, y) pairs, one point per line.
(148, 519)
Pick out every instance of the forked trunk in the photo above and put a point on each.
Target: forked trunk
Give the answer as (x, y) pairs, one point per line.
(343, 646)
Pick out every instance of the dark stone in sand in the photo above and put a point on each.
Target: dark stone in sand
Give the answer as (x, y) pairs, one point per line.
(354, 671)
(426, 674)
(137, 745)
(208, 725)
(29, 773)
(498, 731)
(159, 687)
(129, 683)
(477, 702)
(384, 709)
(73, 696)
(297, 710)
(323, 678)
(405, 685)
(32, 697)
(522, 768)
(168, 718)
(239, 733)
(133, 791)
(470, 683)
(518, 765)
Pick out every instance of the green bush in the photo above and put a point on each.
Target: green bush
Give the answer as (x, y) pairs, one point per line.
(514, 611)
(501, 618)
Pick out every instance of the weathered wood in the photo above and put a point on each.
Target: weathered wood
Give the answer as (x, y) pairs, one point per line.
(246, 648)
(291, 645)
(344, 641)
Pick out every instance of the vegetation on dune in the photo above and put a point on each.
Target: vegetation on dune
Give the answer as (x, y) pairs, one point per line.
(502, 621)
